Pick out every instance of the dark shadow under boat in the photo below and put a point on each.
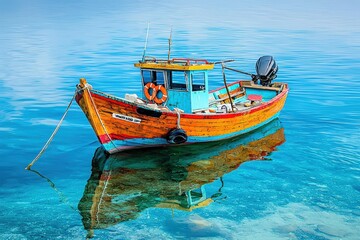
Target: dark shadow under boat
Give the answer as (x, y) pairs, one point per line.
(121, 186)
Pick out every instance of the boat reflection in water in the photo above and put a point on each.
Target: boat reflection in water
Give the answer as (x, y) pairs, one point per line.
(121, 186)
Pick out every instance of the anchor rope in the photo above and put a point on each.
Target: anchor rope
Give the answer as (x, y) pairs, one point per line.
(62, 197)
(86, 87)
(52, 135)
(98, 115)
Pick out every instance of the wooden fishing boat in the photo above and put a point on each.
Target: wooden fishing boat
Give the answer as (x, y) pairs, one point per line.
(184, 178)
(177, 107)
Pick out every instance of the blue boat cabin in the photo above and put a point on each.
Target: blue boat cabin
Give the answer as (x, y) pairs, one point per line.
(185, 82)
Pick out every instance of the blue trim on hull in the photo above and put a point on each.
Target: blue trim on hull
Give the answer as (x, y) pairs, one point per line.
(127, 144)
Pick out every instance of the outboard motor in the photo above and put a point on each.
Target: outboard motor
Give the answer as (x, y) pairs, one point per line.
(266, 69)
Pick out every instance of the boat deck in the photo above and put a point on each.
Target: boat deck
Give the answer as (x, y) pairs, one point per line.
(244, 94)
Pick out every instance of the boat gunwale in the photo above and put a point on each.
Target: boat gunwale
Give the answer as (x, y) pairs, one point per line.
(123, 101)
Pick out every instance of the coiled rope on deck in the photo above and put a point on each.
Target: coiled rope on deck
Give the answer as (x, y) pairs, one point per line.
(52, 135)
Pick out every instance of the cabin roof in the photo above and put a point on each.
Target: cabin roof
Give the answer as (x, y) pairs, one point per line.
(180, 64)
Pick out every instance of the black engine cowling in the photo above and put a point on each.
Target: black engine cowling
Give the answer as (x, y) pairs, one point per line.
(266, 69)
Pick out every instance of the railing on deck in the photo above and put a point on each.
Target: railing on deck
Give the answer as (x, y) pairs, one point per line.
(185, 61)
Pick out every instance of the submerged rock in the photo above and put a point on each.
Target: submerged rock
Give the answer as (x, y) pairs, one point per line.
(194, 226)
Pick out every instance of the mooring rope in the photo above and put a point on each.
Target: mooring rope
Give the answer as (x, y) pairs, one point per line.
(98, 115)
(52, 135)
(62, 197)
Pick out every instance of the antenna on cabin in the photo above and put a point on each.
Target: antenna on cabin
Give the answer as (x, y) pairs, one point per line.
(170, 39)
(146, 41)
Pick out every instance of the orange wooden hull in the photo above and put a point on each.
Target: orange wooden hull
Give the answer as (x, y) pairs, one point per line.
(121, 124)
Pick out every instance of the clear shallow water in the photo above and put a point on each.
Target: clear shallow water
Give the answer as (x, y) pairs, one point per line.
(309, 189)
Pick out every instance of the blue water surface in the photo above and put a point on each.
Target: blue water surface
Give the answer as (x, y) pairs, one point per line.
(309, 190)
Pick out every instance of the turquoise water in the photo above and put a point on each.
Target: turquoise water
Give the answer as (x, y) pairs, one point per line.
(308, 189)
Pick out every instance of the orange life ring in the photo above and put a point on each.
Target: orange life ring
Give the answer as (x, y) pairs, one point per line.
(150, 86)
(164, 96)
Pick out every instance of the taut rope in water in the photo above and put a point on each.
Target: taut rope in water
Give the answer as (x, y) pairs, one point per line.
(52, 135)
(62, 197)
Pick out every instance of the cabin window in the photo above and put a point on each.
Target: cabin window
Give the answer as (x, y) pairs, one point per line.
(146, 76)
(159, 77)
(156, 77)
(198, 81)
(177, 80)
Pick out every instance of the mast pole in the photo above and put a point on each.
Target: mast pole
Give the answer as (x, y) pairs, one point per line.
(170, 41)
(146, 41)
